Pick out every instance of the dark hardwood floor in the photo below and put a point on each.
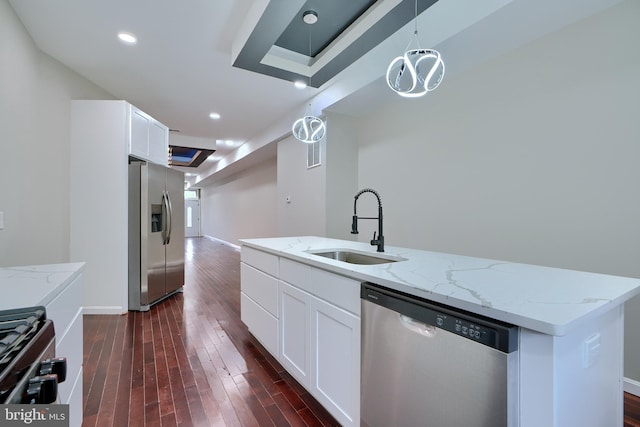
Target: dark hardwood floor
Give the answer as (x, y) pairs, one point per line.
(631, 410)
(190, 361)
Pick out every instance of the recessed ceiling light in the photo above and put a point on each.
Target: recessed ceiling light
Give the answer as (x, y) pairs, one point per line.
(310, 17)
(214, 116)
(300, 84)
(229, 143)
(127, 38)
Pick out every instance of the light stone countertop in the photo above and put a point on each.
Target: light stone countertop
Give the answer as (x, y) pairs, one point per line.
(33, 285)
(544, 299)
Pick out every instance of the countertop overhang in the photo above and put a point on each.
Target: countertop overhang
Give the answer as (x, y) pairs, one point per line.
(545, 299)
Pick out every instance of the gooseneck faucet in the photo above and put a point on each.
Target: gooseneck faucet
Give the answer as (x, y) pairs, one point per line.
(379, 242)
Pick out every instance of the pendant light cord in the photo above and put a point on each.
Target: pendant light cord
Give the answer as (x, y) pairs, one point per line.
(416, 19)
(415, 29)
(310, 56)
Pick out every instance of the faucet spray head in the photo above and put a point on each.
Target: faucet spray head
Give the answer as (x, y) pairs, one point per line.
(354, 225)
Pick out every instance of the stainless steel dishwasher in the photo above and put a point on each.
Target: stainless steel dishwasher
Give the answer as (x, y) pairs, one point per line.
(430, 365)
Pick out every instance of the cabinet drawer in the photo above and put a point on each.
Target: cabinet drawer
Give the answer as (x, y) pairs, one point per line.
(336, 289)
(295, 273)
(261, 323)
(261, 287)
(260, 260)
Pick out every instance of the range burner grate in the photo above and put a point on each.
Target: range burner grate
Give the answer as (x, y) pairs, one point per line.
(25, 334)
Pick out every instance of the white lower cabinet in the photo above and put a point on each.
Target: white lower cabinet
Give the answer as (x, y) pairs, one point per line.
(335, 361)
(295, 310)
(312, 326)
(262, 324)
(259, 303)
(320, 347)
(65, 310)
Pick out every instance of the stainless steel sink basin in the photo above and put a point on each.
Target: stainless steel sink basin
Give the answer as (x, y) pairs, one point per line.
(352, 257)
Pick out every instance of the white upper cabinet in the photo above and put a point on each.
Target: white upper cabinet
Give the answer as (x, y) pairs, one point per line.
(149, 139)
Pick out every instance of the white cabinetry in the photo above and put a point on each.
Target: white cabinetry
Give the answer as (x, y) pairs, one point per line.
(259, 296)
(320, 336)
(295, 328)
(66, 312)
(314, 330)
(103, 134)
(149, 139)
(335, 361)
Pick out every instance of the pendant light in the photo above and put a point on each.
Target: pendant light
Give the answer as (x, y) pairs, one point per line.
(309, 128)
(416, 72)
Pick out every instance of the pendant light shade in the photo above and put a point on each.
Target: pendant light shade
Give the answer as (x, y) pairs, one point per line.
(308, 129)
(416, 72)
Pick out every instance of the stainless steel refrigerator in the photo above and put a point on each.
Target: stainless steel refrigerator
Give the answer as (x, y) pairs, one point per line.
(156, 233)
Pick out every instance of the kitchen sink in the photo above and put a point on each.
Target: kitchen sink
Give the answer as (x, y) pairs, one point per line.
(351, 257)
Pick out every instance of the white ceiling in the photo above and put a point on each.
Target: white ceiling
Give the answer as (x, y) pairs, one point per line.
(181, 70)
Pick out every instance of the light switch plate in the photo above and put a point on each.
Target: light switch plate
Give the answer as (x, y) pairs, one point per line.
(1, 220)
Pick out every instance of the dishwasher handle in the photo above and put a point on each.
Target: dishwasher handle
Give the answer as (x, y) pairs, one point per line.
(416, 326)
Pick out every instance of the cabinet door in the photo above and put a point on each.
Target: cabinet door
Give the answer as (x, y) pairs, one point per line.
(158, 143)
(335, 361)
(149, 139)
(139, 137)
(294, 331)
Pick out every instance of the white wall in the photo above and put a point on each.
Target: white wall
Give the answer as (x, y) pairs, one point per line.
(241, 206)
(35, 94)
(304, 215)
(532, 157)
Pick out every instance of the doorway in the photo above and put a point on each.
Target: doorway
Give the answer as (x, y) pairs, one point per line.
(191, 213)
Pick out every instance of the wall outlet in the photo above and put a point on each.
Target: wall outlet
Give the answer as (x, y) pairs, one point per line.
(590, 350)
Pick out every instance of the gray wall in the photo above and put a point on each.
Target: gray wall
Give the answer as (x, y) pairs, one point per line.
(35, 95)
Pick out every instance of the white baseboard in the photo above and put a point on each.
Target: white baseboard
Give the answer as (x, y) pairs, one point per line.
(112, 310)
(632, 386)
(224, 242)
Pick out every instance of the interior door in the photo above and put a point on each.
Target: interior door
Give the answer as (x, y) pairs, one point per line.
(192, 218)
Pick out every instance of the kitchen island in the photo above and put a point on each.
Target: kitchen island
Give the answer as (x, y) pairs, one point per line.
(571, 322)
(57, 287)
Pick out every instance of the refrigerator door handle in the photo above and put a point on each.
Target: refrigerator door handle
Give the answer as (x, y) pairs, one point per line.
(165, 218)
(169, 217)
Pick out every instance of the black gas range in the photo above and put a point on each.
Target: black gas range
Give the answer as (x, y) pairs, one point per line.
(29, 371)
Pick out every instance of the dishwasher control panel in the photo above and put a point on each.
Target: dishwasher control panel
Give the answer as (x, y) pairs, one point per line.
(490, 332)
(472, 330)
